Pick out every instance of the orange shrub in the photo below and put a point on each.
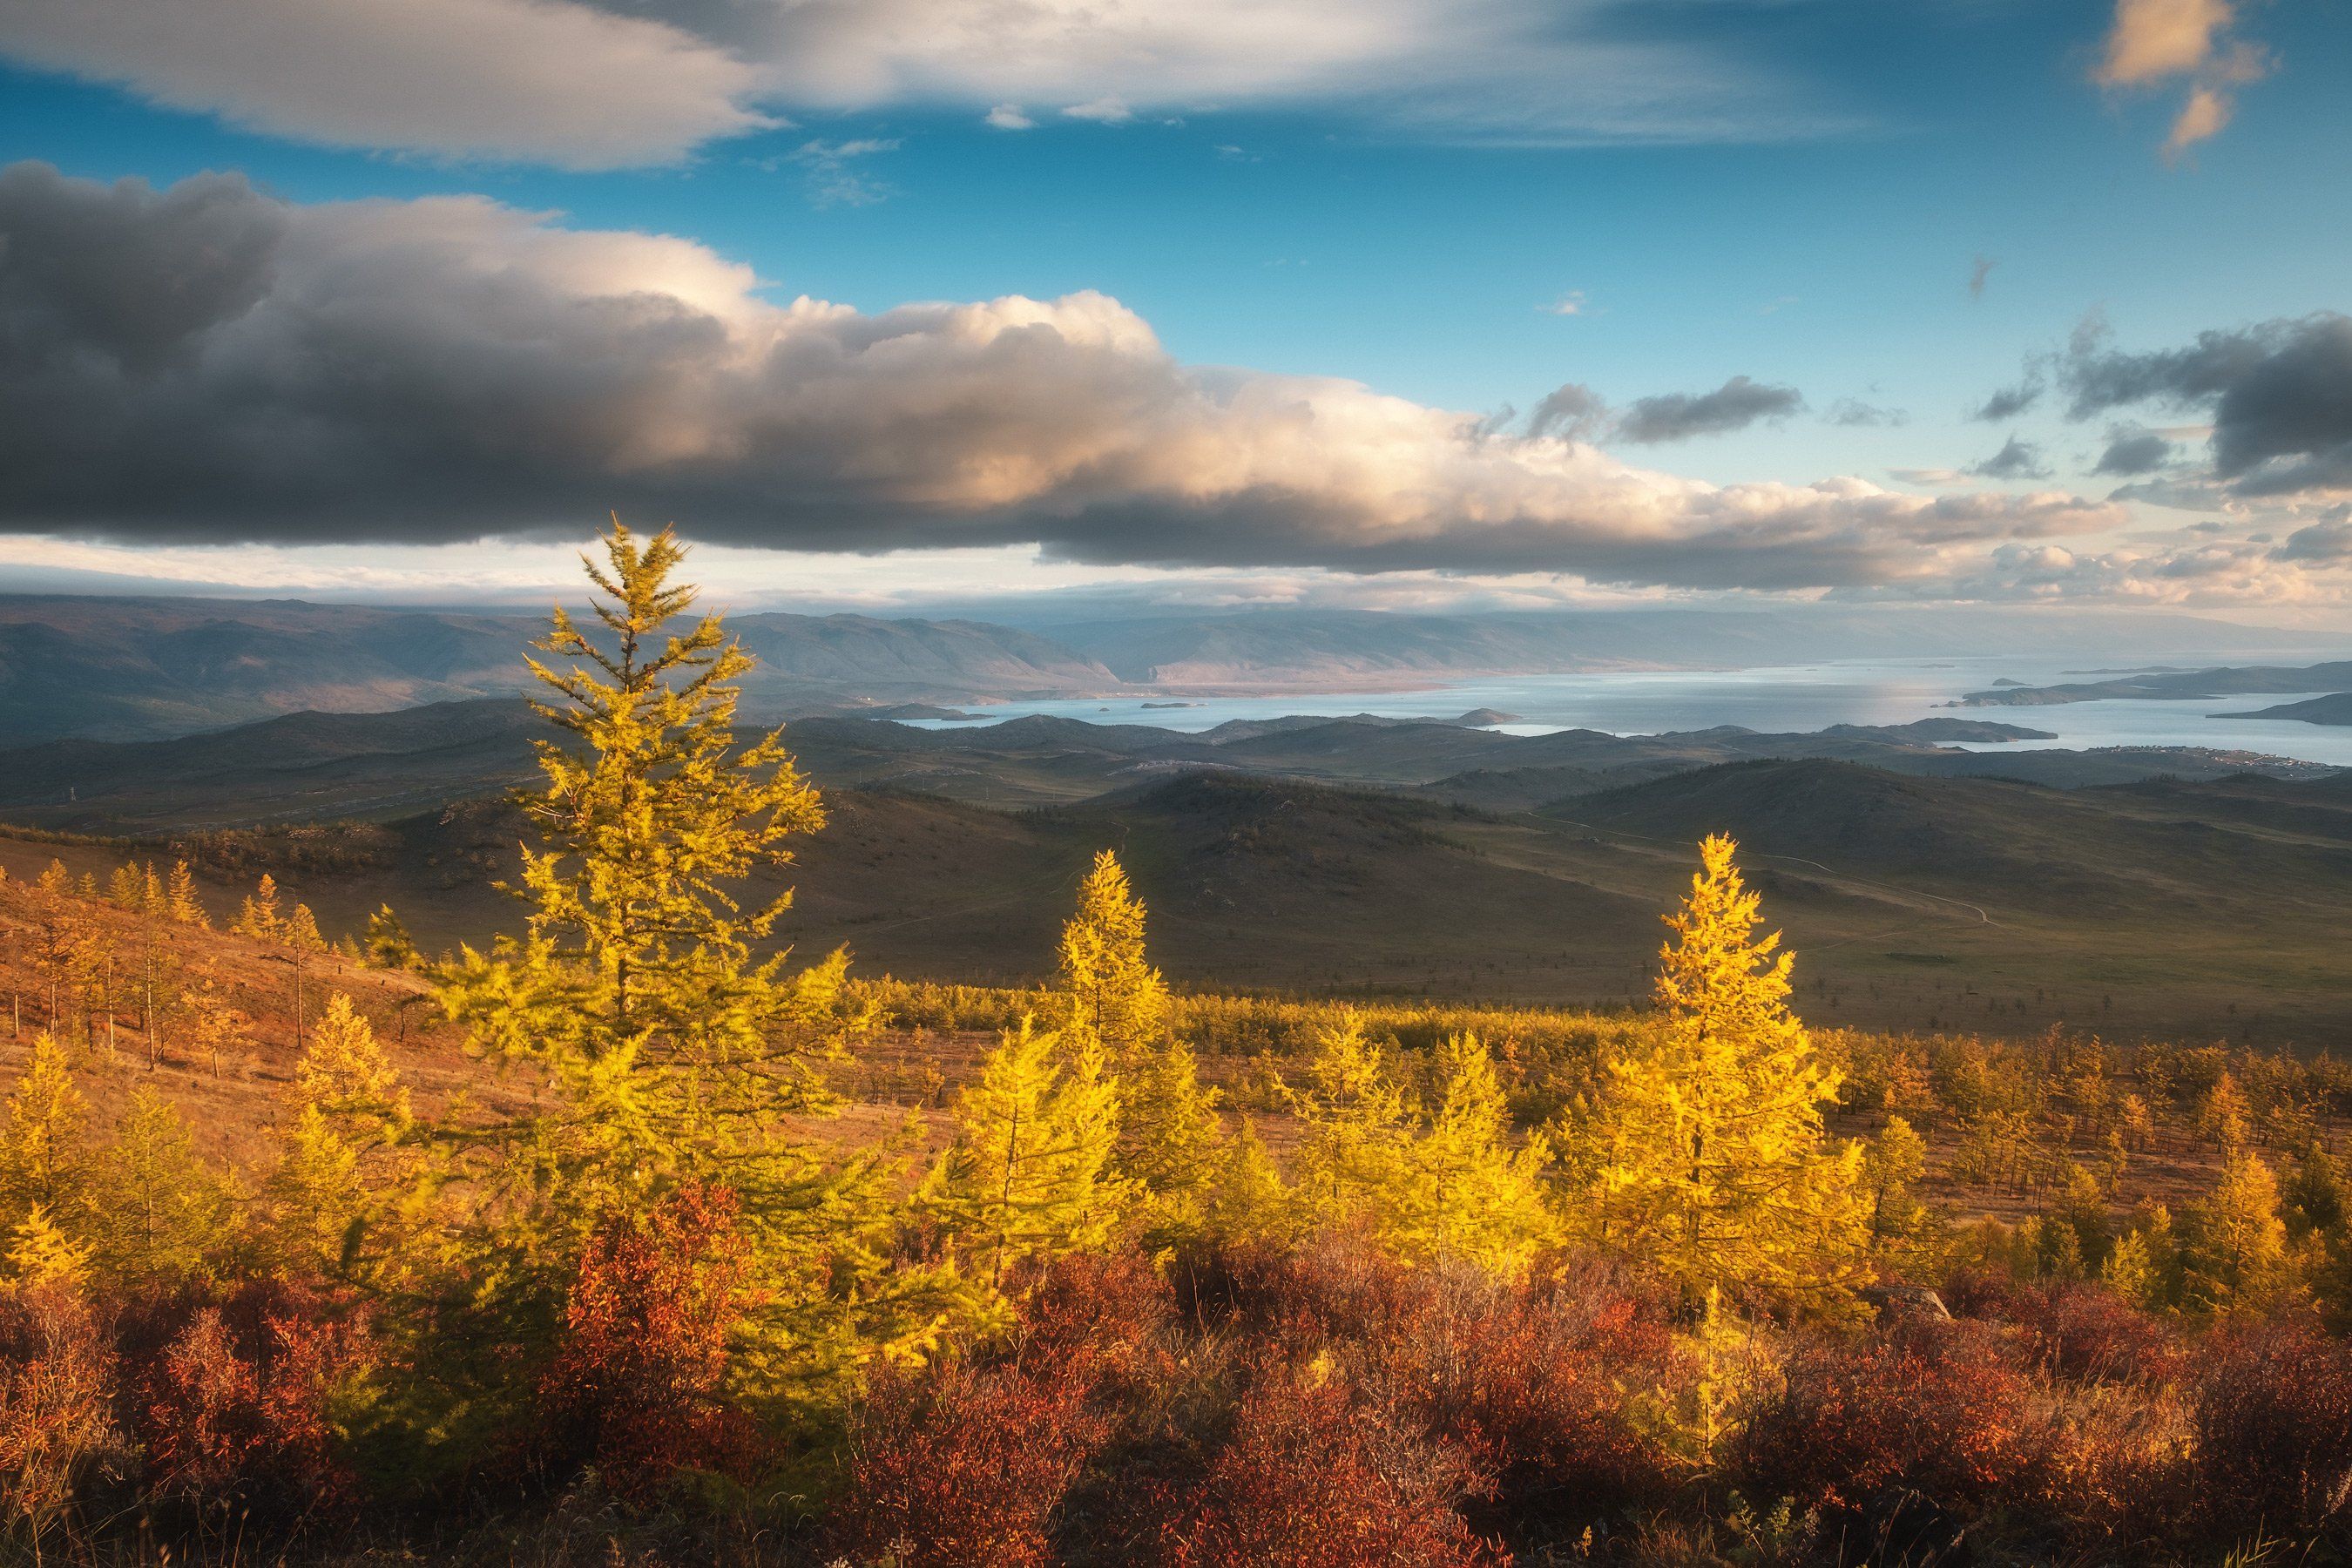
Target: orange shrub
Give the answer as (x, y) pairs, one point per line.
(634, 1385)
(1932, 1414)
(58, 1435)
(2270, 1422)
(1310, 1479)
(961, 1467)
(232, 1398)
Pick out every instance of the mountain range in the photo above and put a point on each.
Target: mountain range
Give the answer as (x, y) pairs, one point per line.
(132, 669)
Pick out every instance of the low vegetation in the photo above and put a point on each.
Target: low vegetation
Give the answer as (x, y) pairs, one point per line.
(707, 1251)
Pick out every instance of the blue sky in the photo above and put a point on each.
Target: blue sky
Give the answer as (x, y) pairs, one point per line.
(1795, 193)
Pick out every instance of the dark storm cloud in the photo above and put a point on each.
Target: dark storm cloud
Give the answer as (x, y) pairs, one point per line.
(2017, 459)
(2280, 393)
(208, 363)
(1679, 415)
(2008, 402)
(2132, 451)
(1571, 411)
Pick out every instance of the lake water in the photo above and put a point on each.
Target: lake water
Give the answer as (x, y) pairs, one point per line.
(1787, 697)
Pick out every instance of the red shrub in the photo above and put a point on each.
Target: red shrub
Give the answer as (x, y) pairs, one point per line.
(960, 1467)
(635, 1384)
(2271, 1418)
(1531, 1384)
(1107, 1319)
(2074, 1329)
(2084, 1332)
(1932, 1414)
(233, 1399)
(1308, 1480)
(57, 1392)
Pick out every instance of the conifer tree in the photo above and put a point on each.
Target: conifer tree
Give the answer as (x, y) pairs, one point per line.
(1113, 991)
(340, 1171)
(2131, 1272)
(40, 1253)
(1029, 1175)
(1355, 1150)
(2235, 1255)
(669, 1052)
(44, 1162)
(1169, 1136)
(157, 1212)
(1476, 1197)
(1892, 1165)
(314, 1206)
(1718, 1169)
(1249, 1202)
(258, 917)
(186, 909)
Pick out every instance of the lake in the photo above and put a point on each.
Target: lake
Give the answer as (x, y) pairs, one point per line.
(1777, 698)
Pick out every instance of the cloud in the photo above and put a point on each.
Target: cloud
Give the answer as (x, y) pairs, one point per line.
(1573, 411)
(1010, 117)
(1107, 109)
(536, 79)
(833, 180)
(2150, 40)
(2280, 390)
(2154, 41)
(2008, 402)
(1928, 475)
(601, 83)
(1978, 271)
(2017, 459)
(2132, 451)
(1854, 413)
(1573, 303)
(450, 369)
(2324, 543)
(1678, 417)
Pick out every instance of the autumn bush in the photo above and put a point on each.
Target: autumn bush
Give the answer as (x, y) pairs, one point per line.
(964, 1465)
(1930, 1416)
(636, 1384)
(2271, 1425)
(2074, 1329)
(1308, 1476)
(234, 1396)
(58, 1439)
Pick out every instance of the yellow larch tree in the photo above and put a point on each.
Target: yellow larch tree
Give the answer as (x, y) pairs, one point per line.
(1449, 1182)
(1356, 1129)
(343, 1165)
(1715, 1167)
(1480, 1192)
(667, 1050)
(2234, 1244)
(45, 1161)
(1030, 1173)
(157, 1212)
(1169, 1137)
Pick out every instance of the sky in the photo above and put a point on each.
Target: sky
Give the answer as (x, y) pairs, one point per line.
(1384, 302)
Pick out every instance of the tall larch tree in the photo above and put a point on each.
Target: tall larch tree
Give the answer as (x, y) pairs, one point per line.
(45, 1161)
(1356, 1127)
(1480, 1190)
(344, 1167)
(158, 1213)
(670, 1052)
(1170, 1140)
(1718, 1169)
(1030, 1173)
(2234, 1249)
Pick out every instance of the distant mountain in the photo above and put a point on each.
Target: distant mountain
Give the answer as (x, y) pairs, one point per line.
(1293, 647)
(137, 668)
(2173, 686)
(312, 767)
(2332, 710)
